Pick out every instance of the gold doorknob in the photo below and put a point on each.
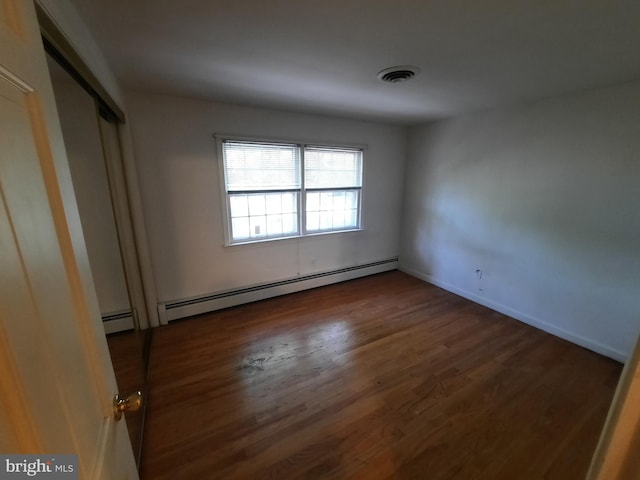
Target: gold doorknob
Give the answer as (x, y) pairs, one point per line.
(130, 404)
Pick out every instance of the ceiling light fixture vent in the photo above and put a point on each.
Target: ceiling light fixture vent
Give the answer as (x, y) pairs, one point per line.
(398, 74)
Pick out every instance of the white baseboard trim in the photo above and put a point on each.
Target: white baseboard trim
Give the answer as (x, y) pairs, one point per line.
(587, 343)
(168, 311)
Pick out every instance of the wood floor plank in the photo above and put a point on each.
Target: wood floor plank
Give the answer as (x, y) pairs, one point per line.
(380, 377)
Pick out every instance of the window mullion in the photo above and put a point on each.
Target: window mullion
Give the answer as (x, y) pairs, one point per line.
(302, 216)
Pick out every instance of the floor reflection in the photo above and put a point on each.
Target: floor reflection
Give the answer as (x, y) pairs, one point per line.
(129, 351)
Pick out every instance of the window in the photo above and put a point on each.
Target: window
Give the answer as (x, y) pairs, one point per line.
(333, 180)
(276, 190)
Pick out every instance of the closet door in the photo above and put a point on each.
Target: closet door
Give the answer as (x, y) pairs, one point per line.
(80, 122)
(92, 145)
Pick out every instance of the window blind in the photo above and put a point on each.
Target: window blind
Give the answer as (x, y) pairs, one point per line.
(332, 168)
(261, 167)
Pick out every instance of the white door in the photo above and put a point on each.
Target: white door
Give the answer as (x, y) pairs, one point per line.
(56, 378)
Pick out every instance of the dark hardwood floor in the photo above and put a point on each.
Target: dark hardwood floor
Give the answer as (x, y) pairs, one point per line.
(384, 377)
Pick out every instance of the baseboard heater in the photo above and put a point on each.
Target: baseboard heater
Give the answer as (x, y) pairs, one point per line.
(118, 321)
(174, 310)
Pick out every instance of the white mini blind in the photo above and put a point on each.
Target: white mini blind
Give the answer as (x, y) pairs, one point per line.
(261, 167)
(332, 168)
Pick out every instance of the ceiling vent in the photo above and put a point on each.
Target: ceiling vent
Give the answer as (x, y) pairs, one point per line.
(398, 74)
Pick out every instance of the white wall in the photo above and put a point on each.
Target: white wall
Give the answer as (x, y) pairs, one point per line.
(176, 159)
(544, 199)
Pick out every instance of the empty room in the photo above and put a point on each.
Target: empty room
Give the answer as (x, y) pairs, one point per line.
(333, 240)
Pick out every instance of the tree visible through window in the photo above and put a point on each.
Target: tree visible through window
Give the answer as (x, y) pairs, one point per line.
(284, 190)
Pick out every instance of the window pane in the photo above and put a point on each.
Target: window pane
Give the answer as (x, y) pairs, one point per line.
(258, 226)
(338, 201)
(332, 168)
(240, 228)
(256, 205)
(274, 225)
(289, 224)
(326, 200)
(351, 199)
(338, 219)
(332, 210)
(239, 206)
(326, 220)
(313, 221)
(289, 202)
(259, 166)
(274, 203)
(352, 218)
(313, 201)
(260, 216)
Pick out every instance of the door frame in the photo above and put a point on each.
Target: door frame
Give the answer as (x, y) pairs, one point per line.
(616, 455)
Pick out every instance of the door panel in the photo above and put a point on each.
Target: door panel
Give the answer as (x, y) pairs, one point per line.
(83, 144)
(56, 378)
(118, 182)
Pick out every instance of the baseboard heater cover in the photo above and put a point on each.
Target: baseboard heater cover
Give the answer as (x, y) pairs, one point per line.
(175, 310)
(118, 321)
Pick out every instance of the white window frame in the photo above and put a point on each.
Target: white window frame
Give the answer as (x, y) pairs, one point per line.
(301, 213)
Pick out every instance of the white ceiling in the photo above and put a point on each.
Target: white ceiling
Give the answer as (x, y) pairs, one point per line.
(322, 56)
